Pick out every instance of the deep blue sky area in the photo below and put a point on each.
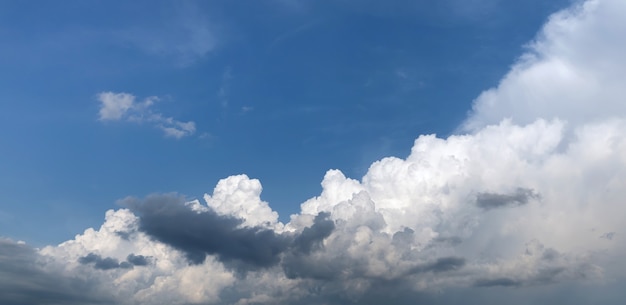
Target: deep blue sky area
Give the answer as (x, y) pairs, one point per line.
(279, 90)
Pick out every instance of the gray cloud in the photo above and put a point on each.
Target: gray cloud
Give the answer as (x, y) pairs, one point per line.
(503, 281)
(550, 261)
(345, 281)
(519, 197)
(124, 235)
(452, 240)
(296, 265)
(168, 219)
(443, 264)
(138, 260)
(23, 281)
(547, 275)
(106, 263)
(311, 237)
(543, 276)
(608, 235)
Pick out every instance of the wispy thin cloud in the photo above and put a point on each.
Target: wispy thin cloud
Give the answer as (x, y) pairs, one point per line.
(224, 92)
(124, 107)
(185, 34)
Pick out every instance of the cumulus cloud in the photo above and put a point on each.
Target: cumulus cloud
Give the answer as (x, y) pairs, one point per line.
(573, 70)
(123, 106)
(519, 202)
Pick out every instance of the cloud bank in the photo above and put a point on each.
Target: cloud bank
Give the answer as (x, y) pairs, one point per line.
(527, 204)
(123, 106)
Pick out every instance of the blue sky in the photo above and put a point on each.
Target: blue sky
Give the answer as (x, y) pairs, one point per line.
(312, 152)
(279, 90)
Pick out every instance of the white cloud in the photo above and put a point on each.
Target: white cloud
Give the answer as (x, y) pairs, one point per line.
(524, 201)
(123, 106)
(239, 196)
(415, 222)
(574, 71)
(114, 105)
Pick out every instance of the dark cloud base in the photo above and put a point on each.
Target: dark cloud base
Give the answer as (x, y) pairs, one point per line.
(520, 196)
(169, 220)
(109, 263)
(23, 281)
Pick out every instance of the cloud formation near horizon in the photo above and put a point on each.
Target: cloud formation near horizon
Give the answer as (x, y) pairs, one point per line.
(123, 106)
(532, 195)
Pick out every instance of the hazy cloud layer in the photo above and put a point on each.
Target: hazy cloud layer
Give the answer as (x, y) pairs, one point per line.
(528, 204)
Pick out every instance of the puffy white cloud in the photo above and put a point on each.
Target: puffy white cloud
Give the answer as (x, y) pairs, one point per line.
(574, 71)
(114, 105)
(531, 196)
(240, 197)
(410, 227)
(123, 106)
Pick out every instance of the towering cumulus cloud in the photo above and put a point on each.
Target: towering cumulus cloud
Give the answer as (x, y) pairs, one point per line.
(526, 200)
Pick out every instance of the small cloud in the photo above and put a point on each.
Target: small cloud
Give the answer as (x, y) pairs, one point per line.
(114, 105)
(178, 133)
(520, 196)
(124, 107)
(247, 109)
(206, 135)
(106, 263)
(608, 235)
(138, 260)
